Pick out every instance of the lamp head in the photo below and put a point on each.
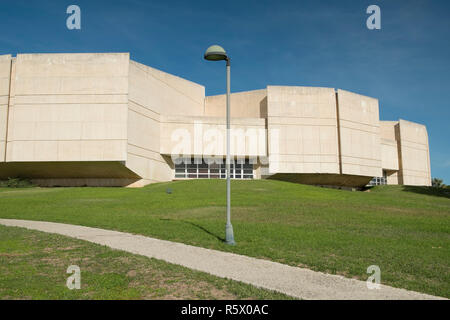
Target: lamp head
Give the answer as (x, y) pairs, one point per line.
(215, 53)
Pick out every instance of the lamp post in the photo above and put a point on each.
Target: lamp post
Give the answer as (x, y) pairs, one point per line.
(217, 53)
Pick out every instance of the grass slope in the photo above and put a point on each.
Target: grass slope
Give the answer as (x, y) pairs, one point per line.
(403, 230)
(33, 265)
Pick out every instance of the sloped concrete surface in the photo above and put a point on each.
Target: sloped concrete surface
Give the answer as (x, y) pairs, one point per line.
(297, 282)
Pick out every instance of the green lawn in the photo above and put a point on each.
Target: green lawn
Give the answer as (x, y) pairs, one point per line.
(33, 265)
(403, 230)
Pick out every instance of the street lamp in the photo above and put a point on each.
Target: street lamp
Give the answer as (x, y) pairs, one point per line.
(217, 53)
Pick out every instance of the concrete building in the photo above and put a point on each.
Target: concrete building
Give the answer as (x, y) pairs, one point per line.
(104, 120)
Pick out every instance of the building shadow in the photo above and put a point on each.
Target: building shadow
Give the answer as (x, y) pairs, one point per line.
(430, 191)
(198, 227)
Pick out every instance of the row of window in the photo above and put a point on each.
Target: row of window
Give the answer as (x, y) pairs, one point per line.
(378, 181)
(196, 169)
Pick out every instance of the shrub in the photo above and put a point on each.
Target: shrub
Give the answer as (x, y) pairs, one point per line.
(438, 183)
(16, 183)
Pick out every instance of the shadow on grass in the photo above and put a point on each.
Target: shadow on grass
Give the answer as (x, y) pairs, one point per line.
(198, 227)
(430, 191)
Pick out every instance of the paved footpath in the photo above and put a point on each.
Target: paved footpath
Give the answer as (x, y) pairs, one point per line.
(297, 282)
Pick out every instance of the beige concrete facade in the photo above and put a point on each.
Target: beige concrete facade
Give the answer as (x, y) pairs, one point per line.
(414, 154)
(103, 119)
(208, 136)
(5, 76)
(302, 130)
(152, 94)
(359, 128)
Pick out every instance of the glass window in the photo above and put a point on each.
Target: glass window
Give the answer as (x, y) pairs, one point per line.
(377, 181)
(200, 169)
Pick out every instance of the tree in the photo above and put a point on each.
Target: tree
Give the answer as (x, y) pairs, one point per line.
(437, 183)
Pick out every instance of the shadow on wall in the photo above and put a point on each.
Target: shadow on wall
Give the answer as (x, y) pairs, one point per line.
(263, 108)
(431, 191)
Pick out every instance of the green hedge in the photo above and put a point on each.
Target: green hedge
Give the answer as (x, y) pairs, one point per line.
(16, 183)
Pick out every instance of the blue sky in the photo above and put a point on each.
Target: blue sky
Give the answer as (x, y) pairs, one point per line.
(326, 43)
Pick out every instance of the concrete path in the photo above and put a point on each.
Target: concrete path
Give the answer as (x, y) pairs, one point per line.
(297, 282)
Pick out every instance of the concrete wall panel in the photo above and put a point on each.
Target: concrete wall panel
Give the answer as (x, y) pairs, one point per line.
(83, 73)
(414, 154)
(249, 104)
(359, 134)
(389, 145)
(5, 73)
(164, 93)
(65, 104)
(207, 136)
(152, 93)
(302, 130)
